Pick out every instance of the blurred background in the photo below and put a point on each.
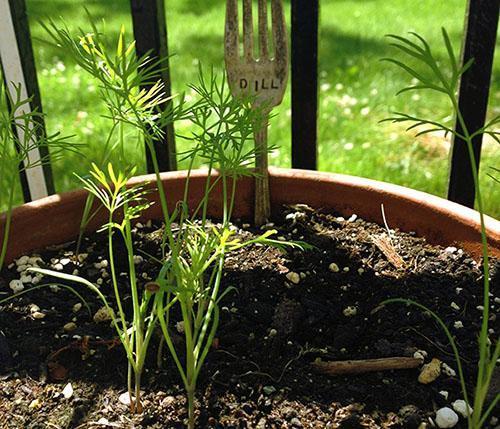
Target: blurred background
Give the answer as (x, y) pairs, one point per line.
(357, 90)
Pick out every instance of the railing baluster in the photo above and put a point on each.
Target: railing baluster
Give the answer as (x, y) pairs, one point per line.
(480, 36)
(150, 32)
(305, 16)
(18, 65)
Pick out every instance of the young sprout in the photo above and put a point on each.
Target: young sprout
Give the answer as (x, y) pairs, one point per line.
(134, 113)
(125, 204)
(192, 272)
(194, 251)
(445, 82)
(21, 132)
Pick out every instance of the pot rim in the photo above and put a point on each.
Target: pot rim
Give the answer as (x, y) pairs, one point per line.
(439, 220)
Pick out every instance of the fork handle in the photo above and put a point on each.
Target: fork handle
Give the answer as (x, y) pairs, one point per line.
(262, 197)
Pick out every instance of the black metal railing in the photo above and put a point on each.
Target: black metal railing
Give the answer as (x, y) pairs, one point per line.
(150, 31)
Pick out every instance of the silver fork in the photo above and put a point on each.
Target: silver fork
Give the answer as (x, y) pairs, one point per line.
(263, 77)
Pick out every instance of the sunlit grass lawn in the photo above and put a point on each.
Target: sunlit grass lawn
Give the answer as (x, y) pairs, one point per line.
(357, 90)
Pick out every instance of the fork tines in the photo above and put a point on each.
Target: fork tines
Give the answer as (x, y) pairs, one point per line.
(278, 31)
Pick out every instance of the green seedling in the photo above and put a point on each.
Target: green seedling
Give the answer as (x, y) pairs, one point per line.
(430, 76)
(193, 249)
(134, 113)
(192, 272)
(125, 204)
(21, 132)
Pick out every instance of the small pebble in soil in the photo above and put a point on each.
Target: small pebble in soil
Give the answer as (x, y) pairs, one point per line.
(350, 311)
(38, 315)
(293, 277)
(361, 271)
(262, 424)
(124, 399)
(462, 408)
(430, 371)
(269, 390)
(454, 306)
(447, 370)
(450, 249)
(101, 264)
(35, 403)
(446, 418)
(82, 256)
(34, 260)
(67, 391)
(77, 307)
(333, 267)
(444, 394)
(419, 355)
(352, 218)
(346, 269)
(16, 286)
(34, 308)
(22, 268)
(167, 401)
(458, 324)
(69, 327)
(102, 315)
(138, 259)
(23, 260)
(25, 278)
(180, 327)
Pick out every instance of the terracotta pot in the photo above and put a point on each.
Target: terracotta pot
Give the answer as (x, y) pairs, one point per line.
(56, 219)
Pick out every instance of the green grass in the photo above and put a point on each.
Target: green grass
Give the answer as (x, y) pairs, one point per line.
(357, 90)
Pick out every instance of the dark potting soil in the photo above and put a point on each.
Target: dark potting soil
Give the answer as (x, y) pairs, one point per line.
(287, 311)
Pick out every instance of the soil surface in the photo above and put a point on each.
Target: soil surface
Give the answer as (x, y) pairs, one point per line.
(287, 311)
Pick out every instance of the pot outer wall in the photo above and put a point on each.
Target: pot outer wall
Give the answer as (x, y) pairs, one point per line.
(56, 219)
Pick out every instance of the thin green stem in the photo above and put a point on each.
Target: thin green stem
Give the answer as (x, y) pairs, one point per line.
(190, 399)
(482, 382)
(114, 278)
(7, 225)
(160, 311)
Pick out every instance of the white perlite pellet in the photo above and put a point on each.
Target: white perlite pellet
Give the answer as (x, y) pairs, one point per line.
(448, 370)
(16, 285)
(446, 418)
(333, 267)
(444, 394)
(350, 311)
(462, 408)
(23, 260)
(293, 277)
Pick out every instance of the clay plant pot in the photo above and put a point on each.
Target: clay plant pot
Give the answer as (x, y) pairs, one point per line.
(56, 219)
